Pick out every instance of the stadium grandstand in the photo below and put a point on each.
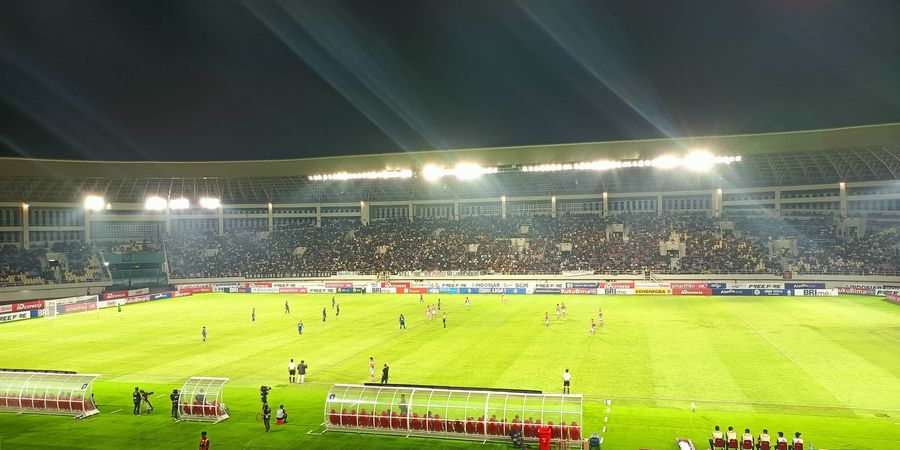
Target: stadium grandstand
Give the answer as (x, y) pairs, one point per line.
(813, 202)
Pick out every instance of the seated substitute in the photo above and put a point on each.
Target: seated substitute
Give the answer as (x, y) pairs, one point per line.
(747, 440)
(763, 441)
(717, 441)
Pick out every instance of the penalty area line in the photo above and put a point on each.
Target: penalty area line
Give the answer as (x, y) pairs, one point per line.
(770, 342)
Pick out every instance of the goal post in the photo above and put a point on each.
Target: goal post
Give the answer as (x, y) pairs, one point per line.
(70, 305)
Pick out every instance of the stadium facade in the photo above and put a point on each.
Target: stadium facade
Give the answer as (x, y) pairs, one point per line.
(848, 175)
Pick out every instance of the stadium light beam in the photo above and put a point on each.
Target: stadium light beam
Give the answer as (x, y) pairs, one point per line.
(179, 203)
(155, 203)
(94, 203)
(210, 202)
(699, 161)
(432, 172)
(372, 175)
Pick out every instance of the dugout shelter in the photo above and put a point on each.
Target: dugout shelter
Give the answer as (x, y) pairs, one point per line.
(455, 413)
(201, 400)
(65, 394)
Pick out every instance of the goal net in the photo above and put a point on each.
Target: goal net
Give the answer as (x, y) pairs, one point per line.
(82, 304)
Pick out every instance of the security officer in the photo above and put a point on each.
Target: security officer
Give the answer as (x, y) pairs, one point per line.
(174, 397)
(136, 398)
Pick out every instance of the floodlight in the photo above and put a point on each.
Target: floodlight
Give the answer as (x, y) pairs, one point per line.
(155, 203)
(468, 171)
(210, 202)
(432, 173)
(699, 161)
(666, 162)
(179, 203)
(24, 205)
(94, 203)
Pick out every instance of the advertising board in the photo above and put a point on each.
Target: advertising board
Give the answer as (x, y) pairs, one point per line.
(579, 291)
(816, 292)
(892, 297)
(547, 290)
(690, 286)
(695, 291)
(652, 291)
(11, 317)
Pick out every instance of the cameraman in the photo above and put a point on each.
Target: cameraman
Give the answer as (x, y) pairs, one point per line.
(264, 393)
(145, 397)
(174, 397)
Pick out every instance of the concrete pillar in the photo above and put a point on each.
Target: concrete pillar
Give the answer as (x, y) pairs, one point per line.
(605, 204)
(25, 233)
(318, 216)
(410, 211)
(168, 225)
(456, 210)
(87, 226)
(659, 205)
(843, 196)
(271, 218)
(503, 207)
(221, 211)
(364, 213)
(777, 202)
(717, 202)
(553, 207)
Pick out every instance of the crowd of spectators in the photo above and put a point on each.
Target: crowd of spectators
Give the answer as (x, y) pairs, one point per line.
(627, 243)
(61, 262)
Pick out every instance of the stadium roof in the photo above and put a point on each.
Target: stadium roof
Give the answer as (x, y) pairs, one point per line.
(773, 159)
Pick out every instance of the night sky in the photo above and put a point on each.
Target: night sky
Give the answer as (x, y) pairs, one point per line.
(201, 80)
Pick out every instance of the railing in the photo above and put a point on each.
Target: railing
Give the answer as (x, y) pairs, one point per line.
(536, 273)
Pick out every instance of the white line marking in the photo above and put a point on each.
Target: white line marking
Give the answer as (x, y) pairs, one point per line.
(770, 342)
(735, 402)
(116, 411)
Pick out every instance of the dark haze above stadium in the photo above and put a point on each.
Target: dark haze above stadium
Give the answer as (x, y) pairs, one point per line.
(217, 80)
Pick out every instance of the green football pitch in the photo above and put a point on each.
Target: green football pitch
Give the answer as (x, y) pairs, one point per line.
(828, 367)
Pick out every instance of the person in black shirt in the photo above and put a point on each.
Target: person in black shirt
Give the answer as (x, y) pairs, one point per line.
(301, 369)
(267, 414)
(384, 374)
(174, 397)
(136, 398)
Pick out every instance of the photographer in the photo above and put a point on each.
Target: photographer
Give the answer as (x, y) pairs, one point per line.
(264, 393)
(174, 397)
(145, 397)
